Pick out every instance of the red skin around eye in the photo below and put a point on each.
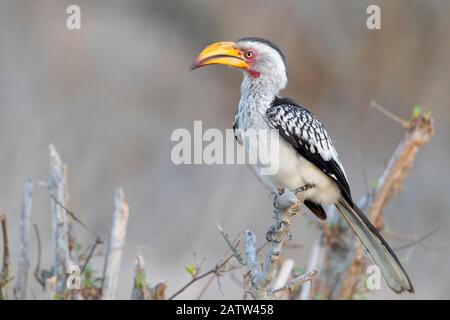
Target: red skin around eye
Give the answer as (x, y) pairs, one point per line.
(251, 62)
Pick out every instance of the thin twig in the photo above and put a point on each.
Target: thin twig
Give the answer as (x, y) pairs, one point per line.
(231, 268)
(405, 124)
(231, 246)
(420, 240)
(294, 283)
(205, 287)
(97, 242)
(74, 217)
(216, 270)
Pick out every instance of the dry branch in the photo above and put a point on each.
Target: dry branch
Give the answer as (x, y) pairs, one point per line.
(287, 204)
(4, 274)
(23, 264)
(259, 280)
(57, 188)
(294, 283)
(418, 133)
(339, 257)
(115, 246)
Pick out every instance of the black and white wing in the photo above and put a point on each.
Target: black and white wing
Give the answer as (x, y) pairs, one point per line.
(307, 135)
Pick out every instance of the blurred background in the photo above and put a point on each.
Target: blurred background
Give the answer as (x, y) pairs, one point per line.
(110, 95)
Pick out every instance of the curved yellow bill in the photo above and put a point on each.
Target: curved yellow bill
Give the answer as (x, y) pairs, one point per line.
(224, 53)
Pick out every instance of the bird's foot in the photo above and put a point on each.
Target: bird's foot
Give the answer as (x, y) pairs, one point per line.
(274, 235)
(275, 194)
(279, 192)
(270, 234)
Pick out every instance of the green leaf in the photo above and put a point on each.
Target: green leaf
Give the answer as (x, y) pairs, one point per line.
(87, 283)
(58, 296)
(89, 271)
(78, 247)
(374, 184)
(191, 269)
(298, 270)
(140, 280)
(417, 111)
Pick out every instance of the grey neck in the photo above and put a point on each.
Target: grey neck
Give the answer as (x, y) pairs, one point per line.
(256, 95)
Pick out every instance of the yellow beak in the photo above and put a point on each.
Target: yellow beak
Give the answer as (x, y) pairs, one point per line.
(224, 53)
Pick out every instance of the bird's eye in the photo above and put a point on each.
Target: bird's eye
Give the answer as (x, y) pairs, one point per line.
(248, 54)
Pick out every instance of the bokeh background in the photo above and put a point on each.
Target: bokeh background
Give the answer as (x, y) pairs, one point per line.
(110, 95)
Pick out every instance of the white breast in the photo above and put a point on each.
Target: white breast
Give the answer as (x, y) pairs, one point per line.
(294, 171)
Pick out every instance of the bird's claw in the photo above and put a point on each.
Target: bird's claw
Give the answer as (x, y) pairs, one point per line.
(275, 194)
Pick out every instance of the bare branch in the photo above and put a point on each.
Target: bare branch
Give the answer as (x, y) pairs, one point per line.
(261, 278)
(405, 124)
(205, 287)
(231, 246)
(294, 283)
(74, 217)
(419, 240)
(115, 246)
(390, 183)
(57, 188)
(258, 281)
(4, 274)
(24, 264)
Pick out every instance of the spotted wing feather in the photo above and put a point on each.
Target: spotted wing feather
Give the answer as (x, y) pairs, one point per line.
(307, 135)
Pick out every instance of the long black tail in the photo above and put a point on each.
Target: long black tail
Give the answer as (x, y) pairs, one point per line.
(377, 247)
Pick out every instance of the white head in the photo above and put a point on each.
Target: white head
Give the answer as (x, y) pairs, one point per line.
(262, 62)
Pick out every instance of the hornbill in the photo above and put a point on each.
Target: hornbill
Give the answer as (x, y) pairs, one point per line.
(306, 155)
